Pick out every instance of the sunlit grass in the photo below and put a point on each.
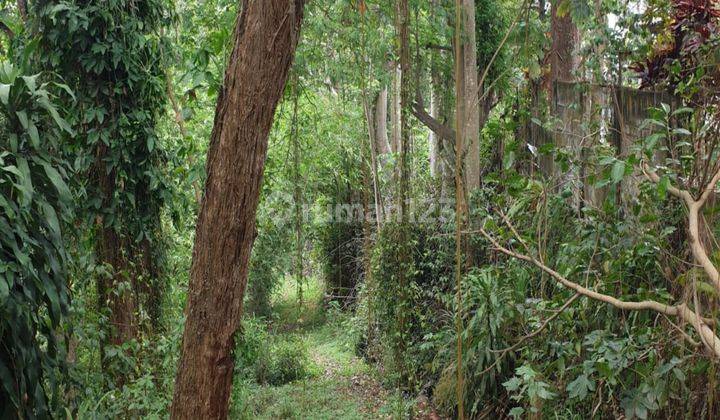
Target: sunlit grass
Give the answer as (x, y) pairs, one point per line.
(329, 392)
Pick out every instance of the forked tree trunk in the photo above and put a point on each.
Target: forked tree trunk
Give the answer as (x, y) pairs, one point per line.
(265, 38)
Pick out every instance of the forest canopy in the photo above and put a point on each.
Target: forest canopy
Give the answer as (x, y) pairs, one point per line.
(359, 209)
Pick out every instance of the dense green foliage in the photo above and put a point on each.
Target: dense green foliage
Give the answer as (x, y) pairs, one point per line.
(36, 203)
(113, 56)
(106, 109)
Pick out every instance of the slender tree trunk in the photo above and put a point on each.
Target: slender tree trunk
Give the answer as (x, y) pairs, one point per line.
(297, 196)
(369, 178)
(433, 140)
(381, 131)
(395, 111)
(403, 76)
(371, 128)
(183, 131)
(265, 38)
(459, 204)
(471, 112)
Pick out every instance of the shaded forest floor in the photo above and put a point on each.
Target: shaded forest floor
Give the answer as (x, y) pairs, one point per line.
(340, 385)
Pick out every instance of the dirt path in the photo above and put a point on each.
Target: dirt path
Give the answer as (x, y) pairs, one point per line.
(354, 382)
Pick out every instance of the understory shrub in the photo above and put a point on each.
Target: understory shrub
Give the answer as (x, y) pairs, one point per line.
(266, 359)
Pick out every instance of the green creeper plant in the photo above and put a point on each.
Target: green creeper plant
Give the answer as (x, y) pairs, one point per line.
(111, 53)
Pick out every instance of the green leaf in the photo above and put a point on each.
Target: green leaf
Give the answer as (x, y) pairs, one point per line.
(22, 116)
(13, 170)
(665, 107)
(4, 290)
(66, 88)
(662, 187)
(57, 181)
(34, 135)
(683, 110)
(512, 384)
(25, 181)
(618, 171)
(45, 103)
(580, 387)
(4, 93)
(31, 82)
(51, 217)
(508, 160)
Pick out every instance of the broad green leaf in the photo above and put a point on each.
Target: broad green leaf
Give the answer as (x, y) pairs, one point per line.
(13, 170)
(45, 103)
(22, 116)
(580, 387)
(31, 82)
(51, 217)
(4, 93)
(66, 88)
(618, 171)
(34, 135)
(683, 110)
(25, 184)
(57, 181)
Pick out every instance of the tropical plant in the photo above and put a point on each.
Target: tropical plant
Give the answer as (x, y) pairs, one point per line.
(36, 209)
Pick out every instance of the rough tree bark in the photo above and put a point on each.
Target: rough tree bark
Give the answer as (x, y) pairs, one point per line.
(565, 38)
(265, 38)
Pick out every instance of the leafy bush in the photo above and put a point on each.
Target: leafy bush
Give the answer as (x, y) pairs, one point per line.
(35, 203)
(267, 360)
(289, 362)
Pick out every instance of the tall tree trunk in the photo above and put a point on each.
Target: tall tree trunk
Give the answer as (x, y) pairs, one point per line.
(471, 111)
(395, 110)
(433, 140)
(459, 203)
(563, 63)
(265, 38)
(297, 196)
(403, 76)
(373, 129)
(563, 57)
(381, 132)
(115, 288)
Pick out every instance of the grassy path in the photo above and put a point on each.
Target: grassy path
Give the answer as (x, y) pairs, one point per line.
(341, 385)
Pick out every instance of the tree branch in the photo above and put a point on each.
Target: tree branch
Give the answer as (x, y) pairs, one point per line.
(694, 206)
(440, 129)
(709, 339)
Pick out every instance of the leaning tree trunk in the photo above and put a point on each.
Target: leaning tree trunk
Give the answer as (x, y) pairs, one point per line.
(265, 38)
